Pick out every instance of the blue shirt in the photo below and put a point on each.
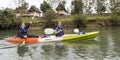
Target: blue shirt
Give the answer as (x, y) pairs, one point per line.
(58, 28)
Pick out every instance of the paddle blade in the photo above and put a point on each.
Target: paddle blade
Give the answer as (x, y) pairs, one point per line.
(33, 17)
(48, 31)
(76, 30)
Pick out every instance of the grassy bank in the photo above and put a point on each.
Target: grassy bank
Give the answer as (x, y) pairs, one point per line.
(101, 20)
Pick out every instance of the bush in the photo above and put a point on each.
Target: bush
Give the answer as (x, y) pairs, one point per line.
(79, 20)
(8, 19)
(114, 20)
(49, 24)
(50, 15)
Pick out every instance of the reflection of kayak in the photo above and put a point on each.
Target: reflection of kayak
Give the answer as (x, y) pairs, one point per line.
(66, 37)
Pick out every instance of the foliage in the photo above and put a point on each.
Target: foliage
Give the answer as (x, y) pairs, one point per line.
(50, 15)
(116, 8)
(49, 24)
(22, 7)
(8, 19)
(100, 8)
(79, 20)
(45, 6)
(77, 7)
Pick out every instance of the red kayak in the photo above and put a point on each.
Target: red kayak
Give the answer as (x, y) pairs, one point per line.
(19, 40)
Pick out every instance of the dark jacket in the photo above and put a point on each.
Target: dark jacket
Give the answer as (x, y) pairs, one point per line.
(22, 31)
(58, 28)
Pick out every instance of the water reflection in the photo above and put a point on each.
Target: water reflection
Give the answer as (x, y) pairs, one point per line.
(108, 44)
(55, 51)
(21, 50)
(104, 47)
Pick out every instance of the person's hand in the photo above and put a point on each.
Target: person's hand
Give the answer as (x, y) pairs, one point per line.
(30, 22)
(60, 30)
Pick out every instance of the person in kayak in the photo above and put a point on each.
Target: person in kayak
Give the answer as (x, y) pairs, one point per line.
(22, 31)
(59, 30)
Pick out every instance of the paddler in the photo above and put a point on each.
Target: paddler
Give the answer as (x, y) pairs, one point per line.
(22, 31)
(59, 30)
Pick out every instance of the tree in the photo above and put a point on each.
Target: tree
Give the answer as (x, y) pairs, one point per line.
(116, 8)
(45, 6)
(22, 7)
(50, 15)
(8, 19)
(100, 7)
(77, 7)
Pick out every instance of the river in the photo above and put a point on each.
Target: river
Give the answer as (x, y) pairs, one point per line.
(106, 46)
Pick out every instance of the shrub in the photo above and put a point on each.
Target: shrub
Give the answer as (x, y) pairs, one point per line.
(79, 20)
(8, 19)
(49, 24)
(50, 15)
(114, 20)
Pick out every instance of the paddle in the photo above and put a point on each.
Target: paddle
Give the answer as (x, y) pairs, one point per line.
(76, 30)
(49, 31)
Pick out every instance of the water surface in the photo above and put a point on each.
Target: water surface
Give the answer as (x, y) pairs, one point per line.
(104, 47)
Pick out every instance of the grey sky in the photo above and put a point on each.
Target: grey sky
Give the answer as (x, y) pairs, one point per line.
(11, 3)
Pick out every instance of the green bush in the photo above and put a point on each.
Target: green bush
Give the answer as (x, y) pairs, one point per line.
(79, 20)
(8, 19)
(50, 15)
(49, 24)
(114, 20)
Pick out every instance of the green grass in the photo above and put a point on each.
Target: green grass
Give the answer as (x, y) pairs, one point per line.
(28, 19)
(95, 17)
(69, 18)
(64, 18)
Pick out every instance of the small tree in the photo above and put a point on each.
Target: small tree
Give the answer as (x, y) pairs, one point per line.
(50, 15)
(22, 7)
(79, 20)
(77, 7)
(45, 6)
(116, 8)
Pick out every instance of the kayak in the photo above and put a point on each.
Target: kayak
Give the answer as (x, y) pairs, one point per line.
(52, 38)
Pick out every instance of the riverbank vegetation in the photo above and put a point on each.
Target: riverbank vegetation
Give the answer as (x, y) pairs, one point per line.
(78, 20)
(8, 19)
(13, 18)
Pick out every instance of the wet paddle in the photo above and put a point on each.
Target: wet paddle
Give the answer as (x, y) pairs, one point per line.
(49, 31)
(76, 30)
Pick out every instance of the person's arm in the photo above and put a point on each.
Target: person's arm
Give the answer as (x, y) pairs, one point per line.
(57, 30)
(28, 25)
